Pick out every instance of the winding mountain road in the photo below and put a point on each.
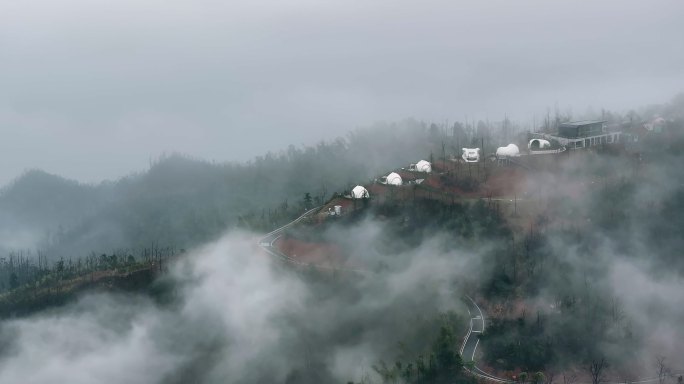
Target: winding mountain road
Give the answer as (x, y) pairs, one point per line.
(267, 243)
(477, 318)
(268, 240)
(471, 341)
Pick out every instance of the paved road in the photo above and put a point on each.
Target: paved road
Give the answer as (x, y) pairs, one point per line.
(472, 340)
(477, 318)
(477, 321)
(268, 240)
(267, 243)
(476, 327)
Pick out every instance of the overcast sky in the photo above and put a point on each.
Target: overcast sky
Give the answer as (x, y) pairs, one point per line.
(92, 89)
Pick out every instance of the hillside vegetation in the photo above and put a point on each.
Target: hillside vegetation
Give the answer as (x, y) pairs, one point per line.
(554, 274)
(182, 201)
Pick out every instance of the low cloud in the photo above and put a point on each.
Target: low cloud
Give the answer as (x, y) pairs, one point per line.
(239, 317)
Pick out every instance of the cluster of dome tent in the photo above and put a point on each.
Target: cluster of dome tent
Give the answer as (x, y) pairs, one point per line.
(470, 155)
(512, 150)
(360, 192)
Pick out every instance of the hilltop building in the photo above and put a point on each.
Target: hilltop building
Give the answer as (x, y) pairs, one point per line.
(584, 134)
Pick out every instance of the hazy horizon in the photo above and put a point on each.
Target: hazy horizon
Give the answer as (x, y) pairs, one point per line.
(93, 91)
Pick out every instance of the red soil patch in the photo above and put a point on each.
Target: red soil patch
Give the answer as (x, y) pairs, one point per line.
(347, 204)
(507, 182)
(320, 254)
(502, 182)
(382, 193)
(344, 202)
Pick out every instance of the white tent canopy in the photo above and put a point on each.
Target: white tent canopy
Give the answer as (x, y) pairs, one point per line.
(511, 150)
(359, 192)
(471, 155)
(393, 179)
(423, 166)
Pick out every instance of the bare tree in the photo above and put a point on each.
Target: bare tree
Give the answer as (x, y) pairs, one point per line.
(569, 378)
(616, 311)
(597, 370)
(662, 369)
(550, 375)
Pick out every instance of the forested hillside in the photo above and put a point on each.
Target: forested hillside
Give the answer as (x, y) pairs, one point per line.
(182, 201)
(553, 268)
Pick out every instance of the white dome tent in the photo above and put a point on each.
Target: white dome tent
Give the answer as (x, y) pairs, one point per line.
(359, 192)
(511, 150)
(538, 144)
(423, 166)
(471, 155)
(391, 179)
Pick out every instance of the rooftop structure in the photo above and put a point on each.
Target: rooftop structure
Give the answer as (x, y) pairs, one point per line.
(585, 128)
(584, 134)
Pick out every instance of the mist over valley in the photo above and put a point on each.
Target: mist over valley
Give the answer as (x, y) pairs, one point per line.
(300, 192)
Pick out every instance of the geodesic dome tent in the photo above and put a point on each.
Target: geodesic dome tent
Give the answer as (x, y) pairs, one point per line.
(423, 166)
(511, 150)
(392, 179)
(359, 192)
(538, 144)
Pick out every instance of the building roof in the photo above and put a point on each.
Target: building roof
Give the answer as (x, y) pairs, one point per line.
(582, 122)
